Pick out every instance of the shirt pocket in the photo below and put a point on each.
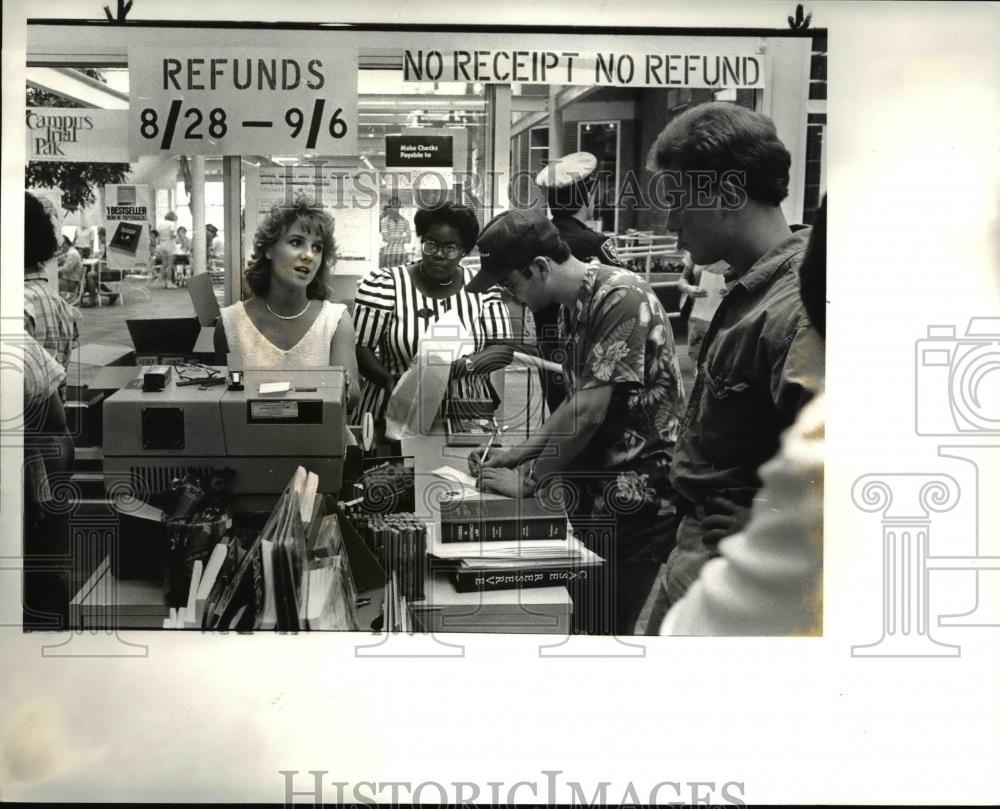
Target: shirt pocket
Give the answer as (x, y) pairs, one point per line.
(727, 414)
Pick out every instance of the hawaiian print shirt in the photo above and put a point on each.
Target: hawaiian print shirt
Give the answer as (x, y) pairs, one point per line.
(618, 333)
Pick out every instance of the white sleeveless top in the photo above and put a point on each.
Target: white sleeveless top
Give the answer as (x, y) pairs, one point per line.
(256, 351)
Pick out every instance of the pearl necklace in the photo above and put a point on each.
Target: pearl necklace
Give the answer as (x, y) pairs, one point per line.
(287, 317)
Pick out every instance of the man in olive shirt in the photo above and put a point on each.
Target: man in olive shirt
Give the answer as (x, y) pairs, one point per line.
(569, 189)
(761, 360)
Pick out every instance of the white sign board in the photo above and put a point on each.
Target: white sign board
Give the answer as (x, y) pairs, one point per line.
(74, 135)
(351, 198)
(624, 68)
(240, 100)
(126, 225)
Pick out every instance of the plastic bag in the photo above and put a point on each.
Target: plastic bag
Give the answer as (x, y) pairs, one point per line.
(416, 399)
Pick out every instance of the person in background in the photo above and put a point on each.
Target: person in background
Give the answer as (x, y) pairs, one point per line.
(289, 323)
(102, 243)
(72, 270)
(610, 441)
(395, 231)
(154, 246)
(167, 248)
(183, 242)
(48, 458)
(761, 361)
(704, 286)
(395, 304)
(84, 241)
(213, 243)
(569, 192)
(48, 319)
(182, 254)
(767, 580)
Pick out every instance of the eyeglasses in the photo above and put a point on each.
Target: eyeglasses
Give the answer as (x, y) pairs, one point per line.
(513, 280)
(509, 283)
(429, 247)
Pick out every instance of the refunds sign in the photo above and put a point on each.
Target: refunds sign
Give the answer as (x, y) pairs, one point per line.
(229, 101)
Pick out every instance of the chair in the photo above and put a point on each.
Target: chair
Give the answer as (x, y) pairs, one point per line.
(108, 281)
(137, 282)
(70, 291)
(182, 269)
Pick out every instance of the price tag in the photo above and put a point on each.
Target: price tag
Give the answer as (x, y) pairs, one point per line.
(267, 411)
(243, 101)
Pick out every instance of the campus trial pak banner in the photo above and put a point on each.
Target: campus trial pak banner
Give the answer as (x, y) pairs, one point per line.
(126, 223)
(244, 100)
(77, 135)
(679, 68)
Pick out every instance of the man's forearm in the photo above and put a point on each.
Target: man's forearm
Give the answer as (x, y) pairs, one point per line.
(564, 435)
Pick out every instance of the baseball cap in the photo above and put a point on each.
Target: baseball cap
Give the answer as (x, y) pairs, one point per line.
(509, 241)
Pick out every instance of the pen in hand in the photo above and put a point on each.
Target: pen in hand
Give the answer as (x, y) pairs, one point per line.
(498, 430)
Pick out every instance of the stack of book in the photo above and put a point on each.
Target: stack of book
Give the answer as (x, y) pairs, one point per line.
(525, 567)
(492, 542)
(493, 518)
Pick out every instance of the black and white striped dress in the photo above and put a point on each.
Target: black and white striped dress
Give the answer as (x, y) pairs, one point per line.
(391, 314)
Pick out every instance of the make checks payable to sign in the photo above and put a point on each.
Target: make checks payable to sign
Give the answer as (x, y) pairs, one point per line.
(242, 101)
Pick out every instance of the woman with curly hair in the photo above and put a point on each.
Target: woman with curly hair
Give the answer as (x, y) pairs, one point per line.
(394, 306)
(288, 323)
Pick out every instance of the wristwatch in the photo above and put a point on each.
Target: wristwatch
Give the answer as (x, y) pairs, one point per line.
(470, 366)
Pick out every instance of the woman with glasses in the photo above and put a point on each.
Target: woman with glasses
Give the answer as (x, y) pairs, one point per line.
(395, 304)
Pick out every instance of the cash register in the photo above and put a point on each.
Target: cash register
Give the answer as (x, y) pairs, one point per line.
(261, 424)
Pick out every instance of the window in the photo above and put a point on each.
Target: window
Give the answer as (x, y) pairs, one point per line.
(538, 148)
(601, 139)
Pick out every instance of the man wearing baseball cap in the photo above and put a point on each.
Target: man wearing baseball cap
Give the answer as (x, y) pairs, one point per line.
(607, 447)
(569, 191)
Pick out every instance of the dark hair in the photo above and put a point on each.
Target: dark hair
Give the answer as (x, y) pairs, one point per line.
(560, 253)
(40, 242)
(720, 137)
(271, 229)
(460, 217)
(570, 198)
(812, 273)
